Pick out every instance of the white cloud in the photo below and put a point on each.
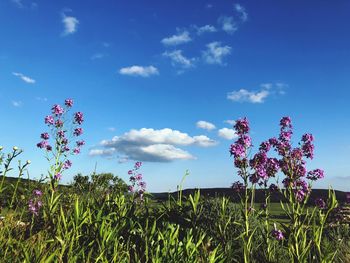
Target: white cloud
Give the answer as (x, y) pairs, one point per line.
(70, 24)
(178, 59)
(230, 122)
(227, 134)
(215, 53)
(242, 12)
(227, 24)
(205, 125)
(111, 129)
(153, 145)
(18, 3)
(97, 56)
(17, 103)
(102, 152)
(258, 96)
(244, 95)
(42, 99)
(166, 152)
(24, 78)
(139, 71)
(178, 39)
(206, 29)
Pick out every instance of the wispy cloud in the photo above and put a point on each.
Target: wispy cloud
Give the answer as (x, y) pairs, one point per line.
(152, 145)
(227, 134)
(228, 24)
(178, 59)
(257, 96)
(206, 29)
(177, 39)
(70, 24)
(17, 103)
(42, 99)
(215, 53)
(24, 78)
(139, 71)
(18, 3)
(111, 129)
(97, 56)
(242, 12)
(205, 125)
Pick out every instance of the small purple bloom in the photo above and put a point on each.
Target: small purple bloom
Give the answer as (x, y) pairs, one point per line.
(273, 188)
(137, 165)
(57, 177)
(315, 174)
(67, 164)
(58, 123)
(238, 187)
(130, 172)
(48, 148)
(277, 234)
(42, 144)
(76, 150)
(78, 131)
(286, 122)
(80, 143)
(57, 110)
(242, 126)
(320, 203)
(61, 134)
(45, 136)
(78, 117)
(49, 120)
(68, 103)
(37, 192)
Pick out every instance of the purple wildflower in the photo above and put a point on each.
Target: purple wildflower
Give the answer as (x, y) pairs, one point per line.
(57, 110)
(320, 203)
(286, 122)
(80, 143)
(241, 126)
(78, 131)
(42, 144)
(277, 234)
(68, 103)
(67, 164)
(49, 120)
(315, 174)
(238, 187)
(76, 150)
(78, 117)
(37, 192)
(45, 136)
(57, 176)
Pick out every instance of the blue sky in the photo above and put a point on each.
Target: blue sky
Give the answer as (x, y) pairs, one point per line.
(160, 82)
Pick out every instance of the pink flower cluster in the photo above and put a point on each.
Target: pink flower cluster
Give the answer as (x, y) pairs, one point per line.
(61, 135)
(260, 168)
(137, 185)
(35, 203)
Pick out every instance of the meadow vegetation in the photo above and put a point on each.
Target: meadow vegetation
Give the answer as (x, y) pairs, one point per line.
(101, 218)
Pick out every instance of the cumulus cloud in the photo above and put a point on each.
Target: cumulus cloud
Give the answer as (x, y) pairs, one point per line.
(178, 59)
(205, 125)
(206, 29)
(24, 78)
(102, 152)
(178, 39)
(242, 12)
(228, 24)
(153, 145)
(70, 24)
(227, 134)
(215, 53)
(230, 122)
(244, 95)
(16, 103)
(139, 71)
(257, 96)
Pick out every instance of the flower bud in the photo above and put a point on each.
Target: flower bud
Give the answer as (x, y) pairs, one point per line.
(1, 148)
(15, 148)
(28, 161)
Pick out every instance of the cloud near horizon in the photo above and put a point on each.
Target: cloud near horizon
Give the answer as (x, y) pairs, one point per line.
(152, 145)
